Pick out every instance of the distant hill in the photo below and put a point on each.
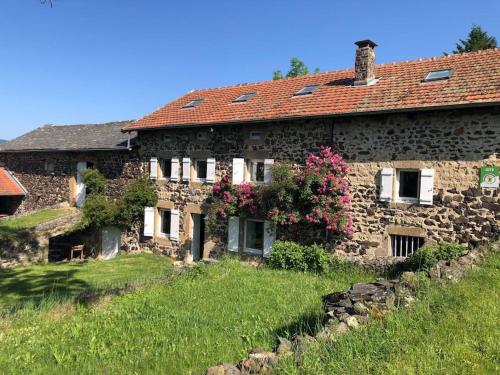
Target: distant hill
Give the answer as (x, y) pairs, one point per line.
(2, 141)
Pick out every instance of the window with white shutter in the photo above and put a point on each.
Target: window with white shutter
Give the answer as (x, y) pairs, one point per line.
(174, 225)
(186, 169)
(233, 235)
(269, 237)
(149, 221)
(174, 173)
(211, 170)
(153, 168)
(386, 176)
(426, 186)
(238, 171)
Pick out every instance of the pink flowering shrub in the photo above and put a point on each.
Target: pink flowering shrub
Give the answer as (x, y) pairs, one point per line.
(319, 195)
(325, 192)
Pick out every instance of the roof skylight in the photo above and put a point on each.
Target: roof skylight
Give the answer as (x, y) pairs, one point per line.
(307, 90)
(193, 103)
(438, 75)
(244, 97)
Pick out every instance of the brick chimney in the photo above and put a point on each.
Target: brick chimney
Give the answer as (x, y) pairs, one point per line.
(364, 66)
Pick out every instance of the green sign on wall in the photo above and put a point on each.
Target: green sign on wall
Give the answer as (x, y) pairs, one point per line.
(490, 176)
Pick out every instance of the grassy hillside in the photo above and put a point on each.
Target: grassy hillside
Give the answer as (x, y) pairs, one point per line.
(452, 330)
(32, 284)
(210, 314)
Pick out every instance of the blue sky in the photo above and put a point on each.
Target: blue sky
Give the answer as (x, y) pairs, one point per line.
(87, 61)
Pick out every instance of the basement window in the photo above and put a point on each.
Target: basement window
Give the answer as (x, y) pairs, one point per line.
(306, 90)
(193, 103)
(438, 75)
(244, 98)
(404, 246)
(254, 236)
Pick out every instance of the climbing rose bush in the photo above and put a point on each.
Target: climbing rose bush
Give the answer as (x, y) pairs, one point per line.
(318, 195)
(325, 192)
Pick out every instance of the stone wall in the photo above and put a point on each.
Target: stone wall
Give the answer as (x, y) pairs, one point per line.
(50, 177)
(453, 143)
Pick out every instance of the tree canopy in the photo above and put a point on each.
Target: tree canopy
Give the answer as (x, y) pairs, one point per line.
(476, 40)
(297, 68)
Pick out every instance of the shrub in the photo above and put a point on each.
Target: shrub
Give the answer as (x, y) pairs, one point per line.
(138, 194)
(316, 259)
(449, 251)
(94, 181)
(98, 212)
(426, 257)
(292, 256)
(287, 255)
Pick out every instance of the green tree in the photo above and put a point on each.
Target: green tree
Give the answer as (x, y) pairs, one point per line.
(477, 40)
(297, 68)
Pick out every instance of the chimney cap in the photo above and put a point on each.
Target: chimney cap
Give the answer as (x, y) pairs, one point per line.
(366, 43)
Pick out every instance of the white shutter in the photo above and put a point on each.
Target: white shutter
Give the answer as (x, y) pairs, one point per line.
(233, 237)
(153, 168)
(269, 237)
(174, 225)
(81, 189)
(210, 170)
(426, 186)
(268, 163)
(386, 180)
(149, 221)
(186, 169)
(238, 171)
(174, 175)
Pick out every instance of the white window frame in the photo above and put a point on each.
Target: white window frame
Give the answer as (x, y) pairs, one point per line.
(397, 185)
(160, 222)
(249, 249)
(195, 170)
(250, 172)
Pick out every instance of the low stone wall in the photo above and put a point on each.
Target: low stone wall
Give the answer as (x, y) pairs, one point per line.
(346, 311)
(32, 245)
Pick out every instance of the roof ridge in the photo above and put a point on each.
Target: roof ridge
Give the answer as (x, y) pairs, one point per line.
(97, 124)
(433, 58)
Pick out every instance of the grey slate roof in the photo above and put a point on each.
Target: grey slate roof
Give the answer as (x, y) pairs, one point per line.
(72, 138)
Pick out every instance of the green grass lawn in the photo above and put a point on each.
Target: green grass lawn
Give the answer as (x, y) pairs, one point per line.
(451, 330)
(207, 315)
(32, 220)
(32, 284)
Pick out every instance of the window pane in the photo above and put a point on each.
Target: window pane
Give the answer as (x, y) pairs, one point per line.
(254, 235)
(201, 169)
(259, 171)
(166, 168)
(408, 184)
(165, 222)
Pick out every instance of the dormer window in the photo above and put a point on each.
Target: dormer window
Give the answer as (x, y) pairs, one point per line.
(438, 75)
(193, 103)
(306, 90)
(244, 97)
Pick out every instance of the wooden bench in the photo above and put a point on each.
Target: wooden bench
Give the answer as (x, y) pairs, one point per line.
(77, 249)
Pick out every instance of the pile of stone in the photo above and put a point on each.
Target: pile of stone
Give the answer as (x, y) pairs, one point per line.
(258, 361)
(354, 306)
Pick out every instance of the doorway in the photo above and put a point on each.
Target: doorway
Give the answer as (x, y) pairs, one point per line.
(197, 236)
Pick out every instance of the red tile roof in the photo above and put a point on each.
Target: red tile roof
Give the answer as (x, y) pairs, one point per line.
(9, 184)
(475, 80)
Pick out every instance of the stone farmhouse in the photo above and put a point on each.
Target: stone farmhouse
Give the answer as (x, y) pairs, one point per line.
(415, 135)
(42, 168)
